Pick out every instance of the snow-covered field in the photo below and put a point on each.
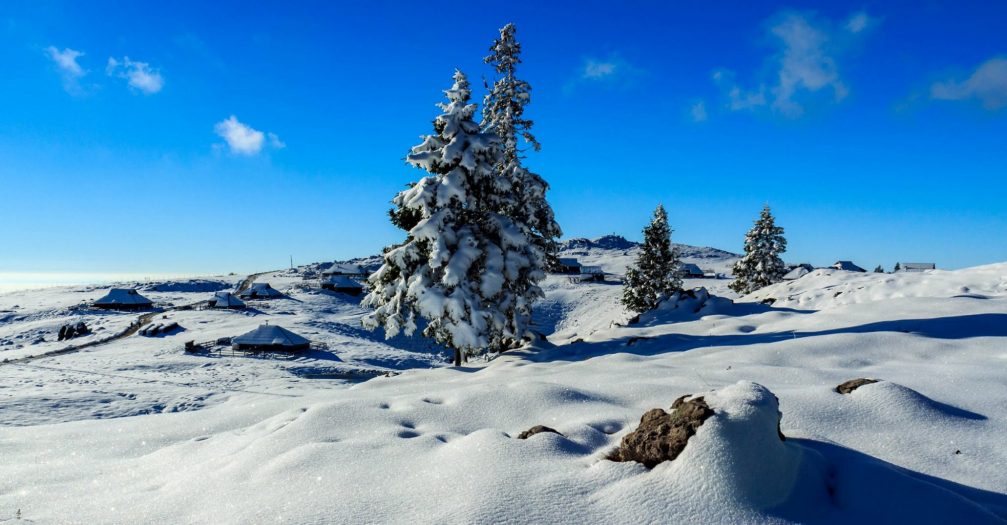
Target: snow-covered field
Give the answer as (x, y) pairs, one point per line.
(136, 431)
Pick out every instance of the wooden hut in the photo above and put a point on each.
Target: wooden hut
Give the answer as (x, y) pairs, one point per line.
(270, 338)
(341, 284)
(261, 291)
(123, 299)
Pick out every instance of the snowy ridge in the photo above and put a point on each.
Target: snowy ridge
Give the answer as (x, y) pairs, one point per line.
(825, 288)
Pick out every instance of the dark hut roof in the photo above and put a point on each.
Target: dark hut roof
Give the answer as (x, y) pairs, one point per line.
(261, 290)
(270, 335)
(691, 269)
(339, 281)
(569, 261)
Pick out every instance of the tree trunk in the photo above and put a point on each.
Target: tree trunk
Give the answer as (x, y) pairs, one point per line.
(458, 357)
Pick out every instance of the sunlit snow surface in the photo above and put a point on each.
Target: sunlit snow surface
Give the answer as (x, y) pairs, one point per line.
(244, 440)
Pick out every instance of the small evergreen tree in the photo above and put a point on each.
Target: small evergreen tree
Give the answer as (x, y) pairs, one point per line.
(898, 268)
(656, 273)
(879, 269)
(761, 265)
(466, 266)
(503, 113)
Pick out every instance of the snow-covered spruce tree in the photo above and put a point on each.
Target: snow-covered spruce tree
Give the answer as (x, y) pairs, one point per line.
(466, 266)
(656, 273)
(761, 265)
(503, 113)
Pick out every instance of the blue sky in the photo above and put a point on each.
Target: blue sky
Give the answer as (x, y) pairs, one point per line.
(210, 138)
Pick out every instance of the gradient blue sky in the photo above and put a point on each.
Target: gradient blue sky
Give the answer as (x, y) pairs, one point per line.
(876, 131)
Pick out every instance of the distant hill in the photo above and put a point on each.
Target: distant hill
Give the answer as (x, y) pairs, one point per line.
(618, 242)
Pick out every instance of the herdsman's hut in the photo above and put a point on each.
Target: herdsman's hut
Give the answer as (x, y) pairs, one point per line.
(345, 270)
(123, 299)
(796, 273)
(226, 300)
(847, 266)
(270, 338)
(567, 265)
(261, 291)
(691, 271)
(340, 284)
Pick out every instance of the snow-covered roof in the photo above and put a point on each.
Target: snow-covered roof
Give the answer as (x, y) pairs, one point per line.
(796, 273)
(227, 300)
(261, 290)
(592, 270)
(848, 266)
(339, 281)
(691, 269)
(345, 269)
(270, 335)
(123, 296)
(568, 261)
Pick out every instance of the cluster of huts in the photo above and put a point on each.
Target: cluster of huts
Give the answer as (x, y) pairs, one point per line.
(800, 270)
(341, 278)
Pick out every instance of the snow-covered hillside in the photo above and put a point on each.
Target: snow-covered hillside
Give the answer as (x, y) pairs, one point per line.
(243, 440)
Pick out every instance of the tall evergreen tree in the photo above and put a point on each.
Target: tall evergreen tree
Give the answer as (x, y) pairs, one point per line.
(761, 265)
(503, 112)
(467, 267)
(656, 273)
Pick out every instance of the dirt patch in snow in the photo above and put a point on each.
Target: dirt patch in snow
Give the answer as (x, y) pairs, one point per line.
(537, 429)
(853, 384)
(662, 436)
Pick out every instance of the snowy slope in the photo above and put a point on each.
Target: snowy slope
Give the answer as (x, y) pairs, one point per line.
(436, 445)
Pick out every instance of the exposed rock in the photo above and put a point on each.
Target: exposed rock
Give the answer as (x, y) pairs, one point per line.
(853, 384)
(537, 429)
(662, 436)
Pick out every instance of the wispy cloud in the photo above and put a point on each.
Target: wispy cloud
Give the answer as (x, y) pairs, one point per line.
(139, 75)
(612, 70)
(595, 69)
(804, 66)
(698, 111)
(243, 139)
(987, 84)
(859, 22)
(66, 63)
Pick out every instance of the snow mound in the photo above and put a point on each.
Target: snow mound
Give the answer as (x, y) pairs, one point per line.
(887, 401)
(688, 304)
(736, 462)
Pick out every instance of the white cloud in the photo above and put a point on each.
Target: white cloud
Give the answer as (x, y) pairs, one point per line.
(611, 71)
(803, 67)
(805, 64)
(69, 69)
(859, 22)
(139, 75)
(698, 111)
(242, 139)
(596, 69)
(275, 141)
(987, 84)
